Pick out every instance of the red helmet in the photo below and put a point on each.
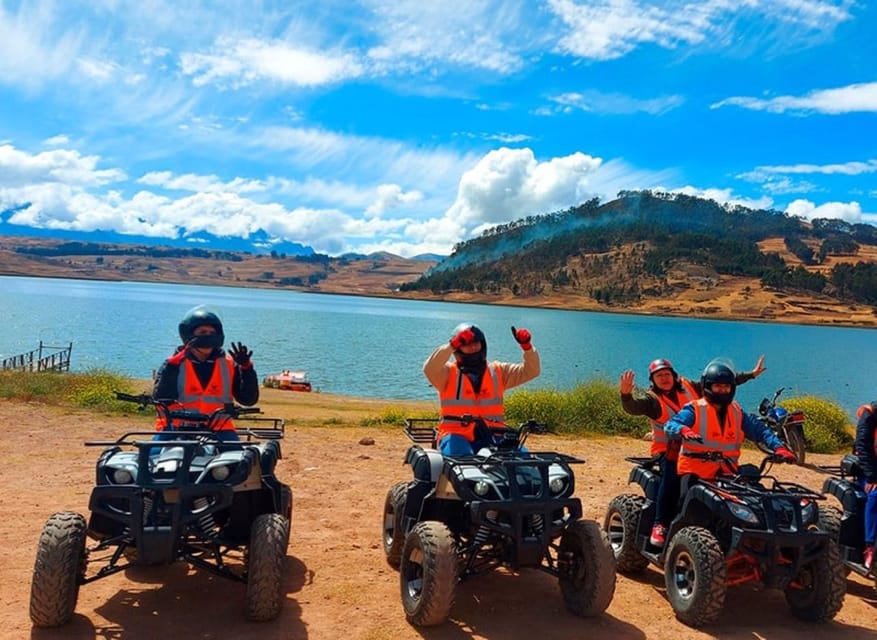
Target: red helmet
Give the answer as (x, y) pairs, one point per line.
(658, 365)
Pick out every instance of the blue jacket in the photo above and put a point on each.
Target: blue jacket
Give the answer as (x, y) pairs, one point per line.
(753, 428)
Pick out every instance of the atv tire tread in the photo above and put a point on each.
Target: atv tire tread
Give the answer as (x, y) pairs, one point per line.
(627, 556)
(269, 534)
(710, 574)
(58, 570)
(394, 506)
(433, 543)
(588, 583)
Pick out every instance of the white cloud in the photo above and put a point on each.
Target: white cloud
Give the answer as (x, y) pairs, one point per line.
(61, 166)
(845, 168)
(389, 197)
(610, 29)
(615, 103)
(848, 211)
(245, 62)
(849, 99)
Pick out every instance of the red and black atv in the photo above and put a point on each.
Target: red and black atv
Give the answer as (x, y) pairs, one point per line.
(743, 528)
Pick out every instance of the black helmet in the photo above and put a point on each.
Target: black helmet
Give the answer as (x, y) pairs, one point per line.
(718, 371)
(197, 317)
(471, 360)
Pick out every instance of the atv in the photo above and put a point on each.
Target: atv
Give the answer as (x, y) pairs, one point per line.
(505, 506)
(847, 525)
(743, 527)
(195, 498)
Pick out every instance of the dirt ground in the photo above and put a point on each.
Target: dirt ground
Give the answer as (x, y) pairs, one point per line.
(337, 582)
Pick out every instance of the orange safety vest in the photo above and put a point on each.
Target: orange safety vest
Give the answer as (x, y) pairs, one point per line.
(870, 409)
(660, 442)
(458, 398)
(205, 399)
(727, 441)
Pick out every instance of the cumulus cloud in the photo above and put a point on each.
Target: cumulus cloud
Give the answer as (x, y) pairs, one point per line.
(848, 211)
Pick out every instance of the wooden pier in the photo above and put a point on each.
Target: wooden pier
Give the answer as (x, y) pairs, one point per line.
(43, 358)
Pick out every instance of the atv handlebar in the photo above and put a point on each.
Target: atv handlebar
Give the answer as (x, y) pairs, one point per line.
(187, 419)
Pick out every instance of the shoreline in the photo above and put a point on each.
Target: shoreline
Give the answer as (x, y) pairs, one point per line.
(658, 309)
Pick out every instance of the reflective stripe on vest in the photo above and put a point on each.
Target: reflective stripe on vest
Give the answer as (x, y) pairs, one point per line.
(687, 394)
(458, 398)
(207, 399)
(727, 441)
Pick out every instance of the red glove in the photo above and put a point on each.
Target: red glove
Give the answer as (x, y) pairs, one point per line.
(178, 357)
(466, 336)
(523, 337)
(688, 433)
(785, 454)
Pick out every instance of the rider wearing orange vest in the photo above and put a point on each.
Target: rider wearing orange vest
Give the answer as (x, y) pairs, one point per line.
(469, 385)
(716, 423)
(667, 394)
(866, 451)
(201, 376)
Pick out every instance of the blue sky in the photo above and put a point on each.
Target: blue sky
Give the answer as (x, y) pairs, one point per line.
(408, 126)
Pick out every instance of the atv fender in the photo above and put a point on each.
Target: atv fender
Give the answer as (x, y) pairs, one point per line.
(647, 479)
(425, 463)
(848, 492)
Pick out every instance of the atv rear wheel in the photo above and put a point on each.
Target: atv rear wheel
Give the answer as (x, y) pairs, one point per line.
(797, 444)
(393, 535)
(265, 558)
(428, 574)
(587, 568)
(817, 592)
(58, 570)
(621, 524)
(695, 574)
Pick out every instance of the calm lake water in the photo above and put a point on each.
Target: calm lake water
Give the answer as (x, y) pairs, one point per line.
(375, 347)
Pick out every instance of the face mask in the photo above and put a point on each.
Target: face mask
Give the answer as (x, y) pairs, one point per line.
(209, 341)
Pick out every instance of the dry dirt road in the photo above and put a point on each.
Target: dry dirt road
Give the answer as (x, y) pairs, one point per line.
(337, 583)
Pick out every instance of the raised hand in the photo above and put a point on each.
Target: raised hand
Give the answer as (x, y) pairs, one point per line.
(625, 383)
(523, 338)
(759, 367)
(241, 355)
(466, 336)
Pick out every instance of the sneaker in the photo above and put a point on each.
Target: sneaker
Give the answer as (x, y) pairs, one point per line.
(657, 537)
(869, 556)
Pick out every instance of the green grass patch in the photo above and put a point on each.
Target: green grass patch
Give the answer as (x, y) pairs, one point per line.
(93, 389)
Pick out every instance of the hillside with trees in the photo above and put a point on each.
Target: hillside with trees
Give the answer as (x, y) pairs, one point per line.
(645, 249)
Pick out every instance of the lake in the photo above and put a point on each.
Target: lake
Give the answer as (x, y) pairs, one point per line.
(375, 347)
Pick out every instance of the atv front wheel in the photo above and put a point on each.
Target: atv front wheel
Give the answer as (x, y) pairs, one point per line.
(58, 570)
(268, 540)
(428, 574)
(830, 519)
(587, 568)
(621, 524)
(817, 592)
(695, 574)
(393, 535)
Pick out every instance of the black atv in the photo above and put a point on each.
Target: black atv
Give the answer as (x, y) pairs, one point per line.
(463, 516)
(847, 525)
(736, 529)
(214, 504)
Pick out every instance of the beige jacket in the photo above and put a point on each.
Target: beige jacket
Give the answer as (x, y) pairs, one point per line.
(438, 366)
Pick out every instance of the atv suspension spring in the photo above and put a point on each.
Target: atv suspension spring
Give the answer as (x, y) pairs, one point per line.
(537, 523)
(481, 536)
(206, 519)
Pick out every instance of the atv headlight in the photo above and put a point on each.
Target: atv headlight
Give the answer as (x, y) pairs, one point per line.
(742, 512)
(809, 512)
(220, 472)
(557, 484)
(481, 488)
(122, 476)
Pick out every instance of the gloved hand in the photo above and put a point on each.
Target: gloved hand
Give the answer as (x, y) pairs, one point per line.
(179, 356)
(785, 454)
(466, 336)
(523, 337)
(688, 433)
(241, 355)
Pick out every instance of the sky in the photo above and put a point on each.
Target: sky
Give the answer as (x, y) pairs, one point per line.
(410, 126)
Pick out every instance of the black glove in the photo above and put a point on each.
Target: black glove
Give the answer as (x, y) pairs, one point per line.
(241, 355)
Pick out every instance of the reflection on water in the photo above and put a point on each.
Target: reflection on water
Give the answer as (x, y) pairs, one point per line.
(375, 347)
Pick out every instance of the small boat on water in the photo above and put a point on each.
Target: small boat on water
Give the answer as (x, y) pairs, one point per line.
(288, 380)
